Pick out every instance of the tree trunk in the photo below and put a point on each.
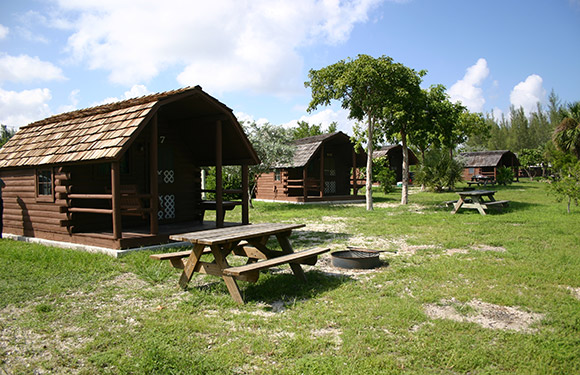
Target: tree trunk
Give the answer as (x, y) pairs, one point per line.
(423, 163)
(369, 182)
(405, 191)
(569, 201)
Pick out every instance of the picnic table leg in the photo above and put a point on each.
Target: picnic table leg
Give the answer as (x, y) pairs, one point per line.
(231, 283)
(457, 205)
(478, 201)
(190, 264)
(283, 239)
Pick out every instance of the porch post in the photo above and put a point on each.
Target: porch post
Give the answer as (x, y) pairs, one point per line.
(354, 187)
(245, 194)
(219, 213)
(304, 176)
(116, 199)
(153, 183)
(321, 188)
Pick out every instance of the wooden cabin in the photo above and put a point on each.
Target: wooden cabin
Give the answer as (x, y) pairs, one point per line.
(324, 169)
(394, 153)
(486, 163)
(125, 174)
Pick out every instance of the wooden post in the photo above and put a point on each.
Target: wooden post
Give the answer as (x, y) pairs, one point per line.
(321, 188)
(304, 176)
(116, 199)
(219, 213)
(245, 194)
(153, 183)
(354, 187)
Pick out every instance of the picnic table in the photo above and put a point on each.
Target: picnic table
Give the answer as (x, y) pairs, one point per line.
(246, 240)
(481, 180)
(480, 200)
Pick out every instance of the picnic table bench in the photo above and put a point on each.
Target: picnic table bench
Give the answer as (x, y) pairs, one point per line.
(475, 199)
(248, 241)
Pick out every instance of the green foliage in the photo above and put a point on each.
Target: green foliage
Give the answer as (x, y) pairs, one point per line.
(531, 157)
(231, 179)
(304, 129)
(272, 143)
(505, 176)
(567, 135)
(439, 170)
(5, 134)
(567, 185)
(384, 174)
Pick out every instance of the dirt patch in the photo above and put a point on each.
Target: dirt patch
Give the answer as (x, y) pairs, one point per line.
(485, 314)
(497, 249)
(117, 303)
(575, 292)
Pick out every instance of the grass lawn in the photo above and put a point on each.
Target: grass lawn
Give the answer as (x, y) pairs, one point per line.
(457, 294)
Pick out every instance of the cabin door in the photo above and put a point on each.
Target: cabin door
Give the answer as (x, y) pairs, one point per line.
(166, 180)
(329, 175)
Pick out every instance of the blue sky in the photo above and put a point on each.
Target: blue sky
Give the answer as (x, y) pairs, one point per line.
(254, 56)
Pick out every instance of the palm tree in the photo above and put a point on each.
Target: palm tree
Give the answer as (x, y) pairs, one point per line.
(566, 136)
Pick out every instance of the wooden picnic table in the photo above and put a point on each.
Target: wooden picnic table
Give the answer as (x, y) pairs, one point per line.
(245, 240)
(480, 200)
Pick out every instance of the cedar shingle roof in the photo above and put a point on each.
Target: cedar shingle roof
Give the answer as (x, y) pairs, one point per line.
(307, 147)
(85, 135)
(488, 158)
(392, 149)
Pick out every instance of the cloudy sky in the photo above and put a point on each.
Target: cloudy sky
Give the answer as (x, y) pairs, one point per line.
(254, 55)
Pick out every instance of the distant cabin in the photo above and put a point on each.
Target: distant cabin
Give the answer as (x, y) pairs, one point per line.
(324, 169)
(124, 174)
(394, 153)
(486, 163)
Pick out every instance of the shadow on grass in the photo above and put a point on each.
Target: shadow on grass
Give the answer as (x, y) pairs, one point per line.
(275, 287)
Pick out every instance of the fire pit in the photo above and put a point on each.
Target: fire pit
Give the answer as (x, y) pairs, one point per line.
(356, 258)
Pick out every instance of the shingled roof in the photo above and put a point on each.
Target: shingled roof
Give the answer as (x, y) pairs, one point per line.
(307, 147)
(97, 133)
(488, 158)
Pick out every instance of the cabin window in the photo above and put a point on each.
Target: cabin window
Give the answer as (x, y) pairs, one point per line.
(471, 171)
(44, 184)
(277, 176)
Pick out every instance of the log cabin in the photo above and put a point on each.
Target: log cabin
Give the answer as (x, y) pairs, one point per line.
(324, 169)
(125, 174)
(486, 163)
(394, 154)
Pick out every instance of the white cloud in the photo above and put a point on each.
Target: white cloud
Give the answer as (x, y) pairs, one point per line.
(528, 94)
(3, 32)
(325, 118)
(468, 90)
(135, 92)
(24, 107)
(24, 68)
(221, 45)
(244, 117)
(74, 102)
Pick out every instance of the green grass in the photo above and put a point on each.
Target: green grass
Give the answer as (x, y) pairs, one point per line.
(64, 311)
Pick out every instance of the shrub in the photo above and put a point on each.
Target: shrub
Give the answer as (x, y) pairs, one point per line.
(387, 178)
(439, 170)
(505, 175)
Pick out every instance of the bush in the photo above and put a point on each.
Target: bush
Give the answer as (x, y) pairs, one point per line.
(387, 178)
(439, 170)
(505, 176)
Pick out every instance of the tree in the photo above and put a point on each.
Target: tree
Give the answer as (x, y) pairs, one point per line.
(304, 129)
(568, 186)
(567, 135)
(529, 157)
(273, 144)
(403, 111)
(362, 87)
(5, 134)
